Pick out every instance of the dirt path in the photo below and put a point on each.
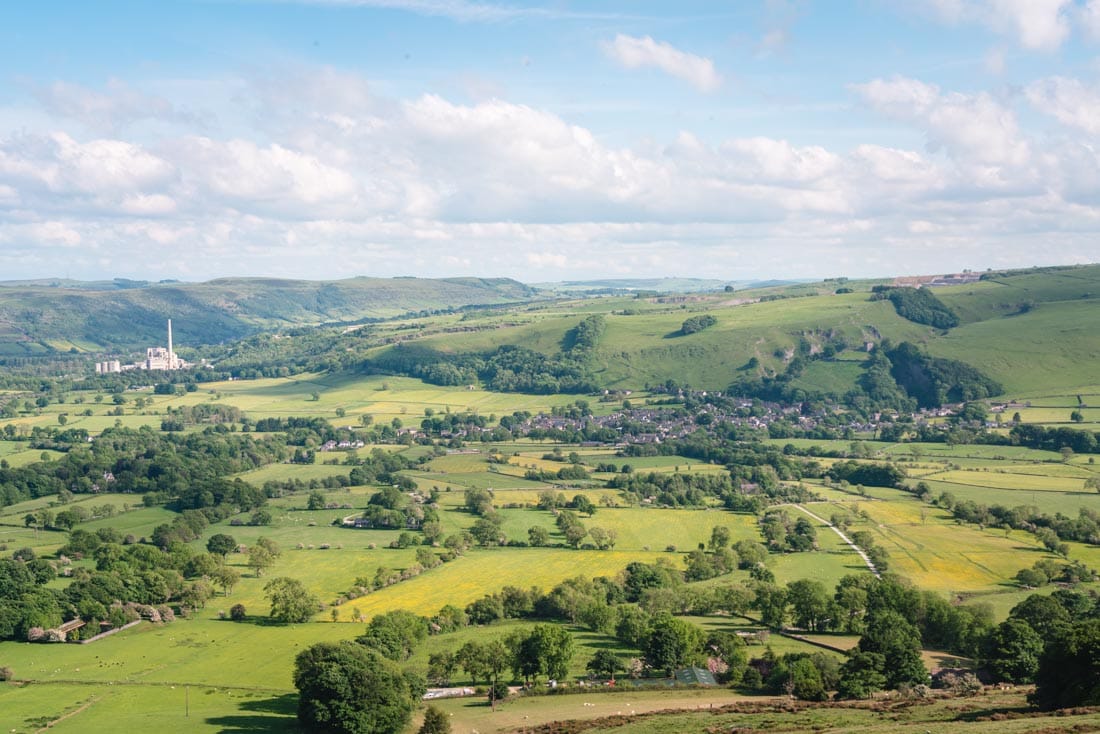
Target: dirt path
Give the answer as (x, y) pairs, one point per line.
(69, 715)
(843, 537)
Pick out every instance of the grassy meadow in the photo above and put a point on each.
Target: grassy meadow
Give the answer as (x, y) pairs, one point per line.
(207, 675)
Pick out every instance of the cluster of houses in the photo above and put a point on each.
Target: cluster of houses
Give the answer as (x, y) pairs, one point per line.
(344, 445)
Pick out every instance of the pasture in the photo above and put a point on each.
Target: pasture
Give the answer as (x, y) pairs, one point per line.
(204, 674)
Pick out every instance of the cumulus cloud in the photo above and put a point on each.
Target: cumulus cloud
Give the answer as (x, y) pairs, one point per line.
(242, 170)
(1036, 24)
(62, 166)
(1069, 101)
(974, 129)
(635, 53)
(336, 179)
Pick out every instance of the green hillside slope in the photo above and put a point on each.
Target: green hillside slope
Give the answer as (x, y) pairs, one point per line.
(1029, 331)
(36, 319)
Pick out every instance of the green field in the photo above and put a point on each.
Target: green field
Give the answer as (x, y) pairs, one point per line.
(204, 674)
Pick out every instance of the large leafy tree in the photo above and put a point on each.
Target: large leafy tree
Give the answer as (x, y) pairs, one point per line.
(898, 642)
(1069, 669)
(1012, 651)
(290, 601)
(672, 643)
(345, 688)
(221, 544)
(811, 604)
(395, 634)
(546, 649)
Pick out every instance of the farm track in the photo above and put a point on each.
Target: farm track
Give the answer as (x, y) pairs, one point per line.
(843, 537)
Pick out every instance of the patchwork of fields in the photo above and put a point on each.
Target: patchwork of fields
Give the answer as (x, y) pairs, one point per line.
(205, 674)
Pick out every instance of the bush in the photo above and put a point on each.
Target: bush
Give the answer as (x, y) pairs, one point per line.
(6, 673)
(237, 612)
(435, 722)
(498, 691)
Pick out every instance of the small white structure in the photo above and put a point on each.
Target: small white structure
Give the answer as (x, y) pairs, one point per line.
(156, 358)
(159, 358)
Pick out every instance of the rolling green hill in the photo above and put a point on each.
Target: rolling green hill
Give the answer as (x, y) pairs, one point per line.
(1033, 331)
(1030, 331)
(38, 317)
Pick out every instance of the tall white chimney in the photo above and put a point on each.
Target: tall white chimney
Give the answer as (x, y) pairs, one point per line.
(171, 354)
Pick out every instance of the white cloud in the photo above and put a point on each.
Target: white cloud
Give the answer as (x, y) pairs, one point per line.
(636, 53)
(1069, 101)
(55, 232)
(241, 170)
(114, 108)
(336, 179)
(1036, 24)
(973, 129)
(148, 205)
(59, 164)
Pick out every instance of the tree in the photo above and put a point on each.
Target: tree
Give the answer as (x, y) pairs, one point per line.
(771, 601)
(1043, 614)
(810, 604)
(546, 649)
(237, 613)
(226, 577)
(221, 544)
(1012, 651)
(1070, 668)
(478, 501)
(316, 501)
(441, 667)
(435, 722)
(604, 664)
(602, 538)
(260, 559)
(583, 505)
(487, 531)
(719, 537)
(290, 601)
(861, 675)
(672, 643)
(574, 534)
(395, 634)
(538, 536)
(889, 634)
(730, 649)
(345, 688)
(473, 658)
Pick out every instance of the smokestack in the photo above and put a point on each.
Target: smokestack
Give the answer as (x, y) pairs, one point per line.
(171, 355)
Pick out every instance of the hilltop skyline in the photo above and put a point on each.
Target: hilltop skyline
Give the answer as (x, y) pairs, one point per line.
(547, 141)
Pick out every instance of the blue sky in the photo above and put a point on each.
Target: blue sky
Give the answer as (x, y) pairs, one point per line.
(541, 141)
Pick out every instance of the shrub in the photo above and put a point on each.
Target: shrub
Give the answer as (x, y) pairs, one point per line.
(237, 612)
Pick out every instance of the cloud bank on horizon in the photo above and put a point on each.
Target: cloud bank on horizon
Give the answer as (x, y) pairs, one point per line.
(332, 138)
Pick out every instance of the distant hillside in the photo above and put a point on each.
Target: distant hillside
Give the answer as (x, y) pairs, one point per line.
(612, 286)
(1026, 330)
(39, 317)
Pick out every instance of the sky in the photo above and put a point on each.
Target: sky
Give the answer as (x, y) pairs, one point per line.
(554, 140)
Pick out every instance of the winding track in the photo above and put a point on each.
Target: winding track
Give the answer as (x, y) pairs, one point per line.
(843, 537)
